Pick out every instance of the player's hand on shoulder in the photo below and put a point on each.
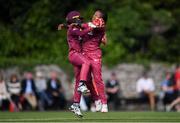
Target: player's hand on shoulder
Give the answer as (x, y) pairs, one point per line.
(61, 26)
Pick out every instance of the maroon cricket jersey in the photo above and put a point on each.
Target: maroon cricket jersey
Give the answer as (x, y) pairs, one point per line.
(74, 35)
(91, 42)
(91, 49)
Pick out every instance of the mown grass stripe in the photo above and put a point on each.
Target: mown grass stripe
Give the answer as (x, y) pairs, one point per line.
(90, 117)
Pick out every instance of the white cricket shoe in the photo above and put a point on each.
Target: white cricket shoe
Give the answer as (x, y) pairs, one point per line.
(104, 108)
(98, 105)
(83, 89)
(76, 110)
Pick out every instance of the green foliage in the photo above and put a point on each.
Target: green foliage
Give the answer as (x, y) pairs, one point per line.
(138, 31)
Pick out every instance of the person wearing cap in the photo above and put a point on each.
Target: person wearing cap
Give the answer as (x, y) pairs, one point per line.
(80, 63)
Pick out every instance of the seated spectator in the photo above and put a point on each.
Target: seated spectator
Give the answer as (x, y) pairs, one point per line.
(168, 90)
(28, 90)
(41, 87)
(4, 95)
(56, 92)
(112, 90)
(145, 87)
(14, 88)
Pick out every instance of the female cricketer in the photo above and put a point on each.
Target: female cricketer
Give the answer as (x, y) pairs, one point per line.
(80, 63)
(91, 49)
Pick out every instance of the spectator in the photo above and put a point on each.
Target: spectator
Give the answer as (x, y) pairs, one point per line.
(4, 95)
(56, 92)
(145, 87)
(29, 90)
(176, 102)
(14, 88)
(41, 87)
(112, 90)
(168, 90)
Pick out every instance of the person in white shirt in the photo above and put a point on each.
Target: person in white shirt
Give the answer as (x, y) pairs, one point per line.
(145, 87)
(4, 95)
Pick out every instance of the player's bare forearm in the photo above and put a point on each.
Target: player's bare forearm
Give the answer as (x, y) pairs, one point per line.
(104, 39)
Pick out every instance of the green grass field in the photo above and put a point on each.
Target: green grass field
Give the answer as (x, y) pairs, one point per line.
(90, 117)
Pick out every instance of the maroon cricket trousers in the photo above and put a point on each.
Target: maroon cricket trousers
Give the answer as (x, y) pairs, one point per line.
(81, 70)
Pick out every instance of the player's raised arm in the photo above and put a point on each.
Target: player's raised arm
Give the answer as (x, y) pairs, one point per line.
(80, 32)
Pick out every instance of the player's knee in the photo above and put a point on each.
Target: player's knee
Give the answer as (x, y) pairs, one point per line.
(86, 63)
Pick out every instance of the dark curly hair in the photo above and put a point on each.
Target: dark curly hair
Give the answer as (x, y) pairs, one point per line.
(103, 14)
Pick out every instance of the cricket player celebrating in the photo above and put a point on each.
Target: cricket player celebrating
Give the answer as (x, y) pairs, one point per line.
(80, 63)
(91, 49)
(78, 60)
